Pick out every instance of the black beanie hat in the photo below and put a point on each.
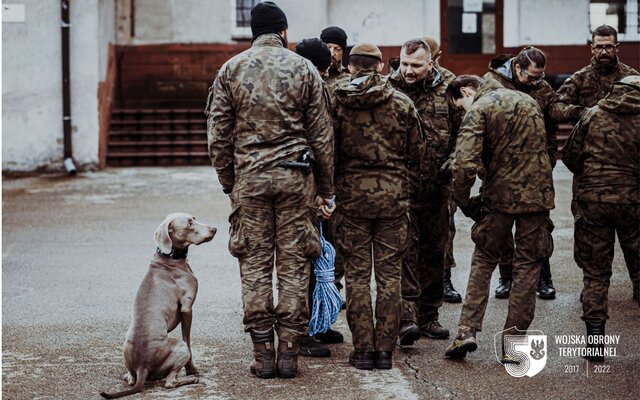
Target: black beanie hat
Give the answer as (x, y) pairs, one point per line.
(267, 17)
(334, 35)
(315, 51)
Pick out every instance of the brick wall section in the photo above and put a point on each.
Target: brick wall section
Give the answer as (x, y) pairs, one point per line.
(178, 75)
(170, 75)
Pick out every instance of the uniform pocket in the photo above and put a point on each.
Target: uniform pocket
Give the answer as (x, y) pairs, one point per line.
(310, 244)
(238, 244)
(480, 230)
(544, 241)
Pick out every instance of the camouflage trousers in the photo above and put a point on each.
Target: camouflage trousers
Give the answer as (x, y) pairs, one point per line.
(273, 223)
(449, 260)
(596, 225)
(533, 244)
(386, 240)
(506, 261)
(423, 263)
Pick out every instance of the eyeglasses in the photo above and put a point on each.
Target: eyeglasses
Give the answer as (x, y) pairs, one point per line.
(532, 78)
(608, 47)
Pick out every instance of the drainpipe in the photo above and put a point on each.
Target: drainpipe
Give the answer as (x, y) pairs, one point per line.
(66, 90)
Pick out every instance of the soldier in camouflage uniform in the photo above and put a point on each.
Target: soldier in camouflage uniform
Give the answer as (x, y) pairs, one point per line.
(525, 72)
(603, 152)
(586, 87)
(502, 139)
(379, 143)
(267, 118)
(451, 295)
(423, 265)
(336, 39)
(319, 54)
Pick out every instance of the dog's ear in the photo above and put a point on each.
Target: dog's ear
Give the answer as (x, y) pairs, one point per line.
(161, 236)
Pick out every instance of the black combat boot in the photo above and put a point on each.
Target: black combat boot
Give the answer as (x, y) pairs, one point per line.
(595, 343)
(383, 359)
(409, 333)
(506, 279)
(264, 354)
(309, 347)
(287, 359)
(330, 336)
(361, 359)
(450, 293)
(546, 291)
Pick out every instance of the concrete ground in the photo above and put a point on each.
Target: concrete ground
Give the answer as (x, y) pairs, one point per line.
(75, 249)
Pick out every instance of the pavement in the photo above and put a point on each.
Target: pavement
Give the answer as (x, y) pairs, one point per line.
(75, 249)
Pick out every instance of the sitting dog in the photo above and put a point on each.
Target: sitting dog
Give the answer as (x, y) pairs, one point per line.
(163, 301)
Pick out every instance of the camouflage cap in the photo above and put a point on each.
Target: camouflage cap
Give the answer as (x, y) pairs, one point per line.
(367, 50)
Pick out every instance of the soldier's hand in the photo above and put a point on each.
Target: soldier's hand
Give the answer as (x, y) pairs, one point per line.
(445, 173)
(474, 209)
(326, 206)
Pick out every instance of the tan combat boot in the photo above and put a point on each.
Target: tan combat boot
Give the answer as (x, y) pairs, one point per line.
(463, 343)
(287, 359)
(264, 354)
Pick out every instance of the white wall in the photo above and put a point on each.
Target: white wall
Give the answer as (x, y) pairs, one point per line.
(546, 22)
(385, 22)
(32, 133)
(31, 88)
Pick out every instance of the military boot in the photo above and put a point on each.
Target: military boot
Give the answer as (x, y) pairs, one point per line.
(434, 330)
(506, 279)
(546, 291)
(450, 293)
(409, 333)
(287, 359)
(464, 342)
(264, 354)
(595, 344)
(361, 359)
(310, 347)
(330, 336)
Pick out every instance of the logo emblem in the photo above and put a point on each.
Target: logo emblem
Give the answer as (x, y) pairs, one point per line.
(525, 351)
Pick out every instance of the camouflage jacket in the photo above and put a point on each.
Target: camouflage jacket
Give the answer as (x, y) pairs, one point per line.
(429, 97)
(603, 150)
(504, 133)
(268, 105)
(501, 69)
(336, 77)
(379, 140)
(584, 88)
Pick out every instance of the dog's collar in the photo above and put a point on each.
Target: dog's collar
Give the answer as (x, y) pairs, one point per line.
(176, 254)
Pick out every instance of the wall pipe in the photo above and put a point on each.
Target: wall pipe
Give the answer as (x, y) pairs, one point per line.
(66, 90)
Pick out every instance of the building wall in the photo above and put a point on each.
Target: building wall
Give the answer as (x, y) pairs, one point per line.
(175, 21)
(546, 22)
(32, 133)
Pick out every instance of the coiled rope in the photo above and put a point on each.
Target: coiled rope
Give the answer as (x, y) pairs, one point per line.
(326, 302)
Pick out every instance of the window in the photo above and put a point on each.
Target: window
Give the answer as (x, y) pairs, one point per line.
(472, 26)
(241, 17)
(620, 14)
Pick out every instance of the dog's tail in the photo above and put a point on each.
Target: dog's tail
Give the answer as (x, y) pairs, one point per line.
(141, 377)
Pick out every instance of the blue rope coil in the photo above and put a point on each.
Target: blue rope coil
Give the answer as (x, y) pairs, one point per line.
(327, 302)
